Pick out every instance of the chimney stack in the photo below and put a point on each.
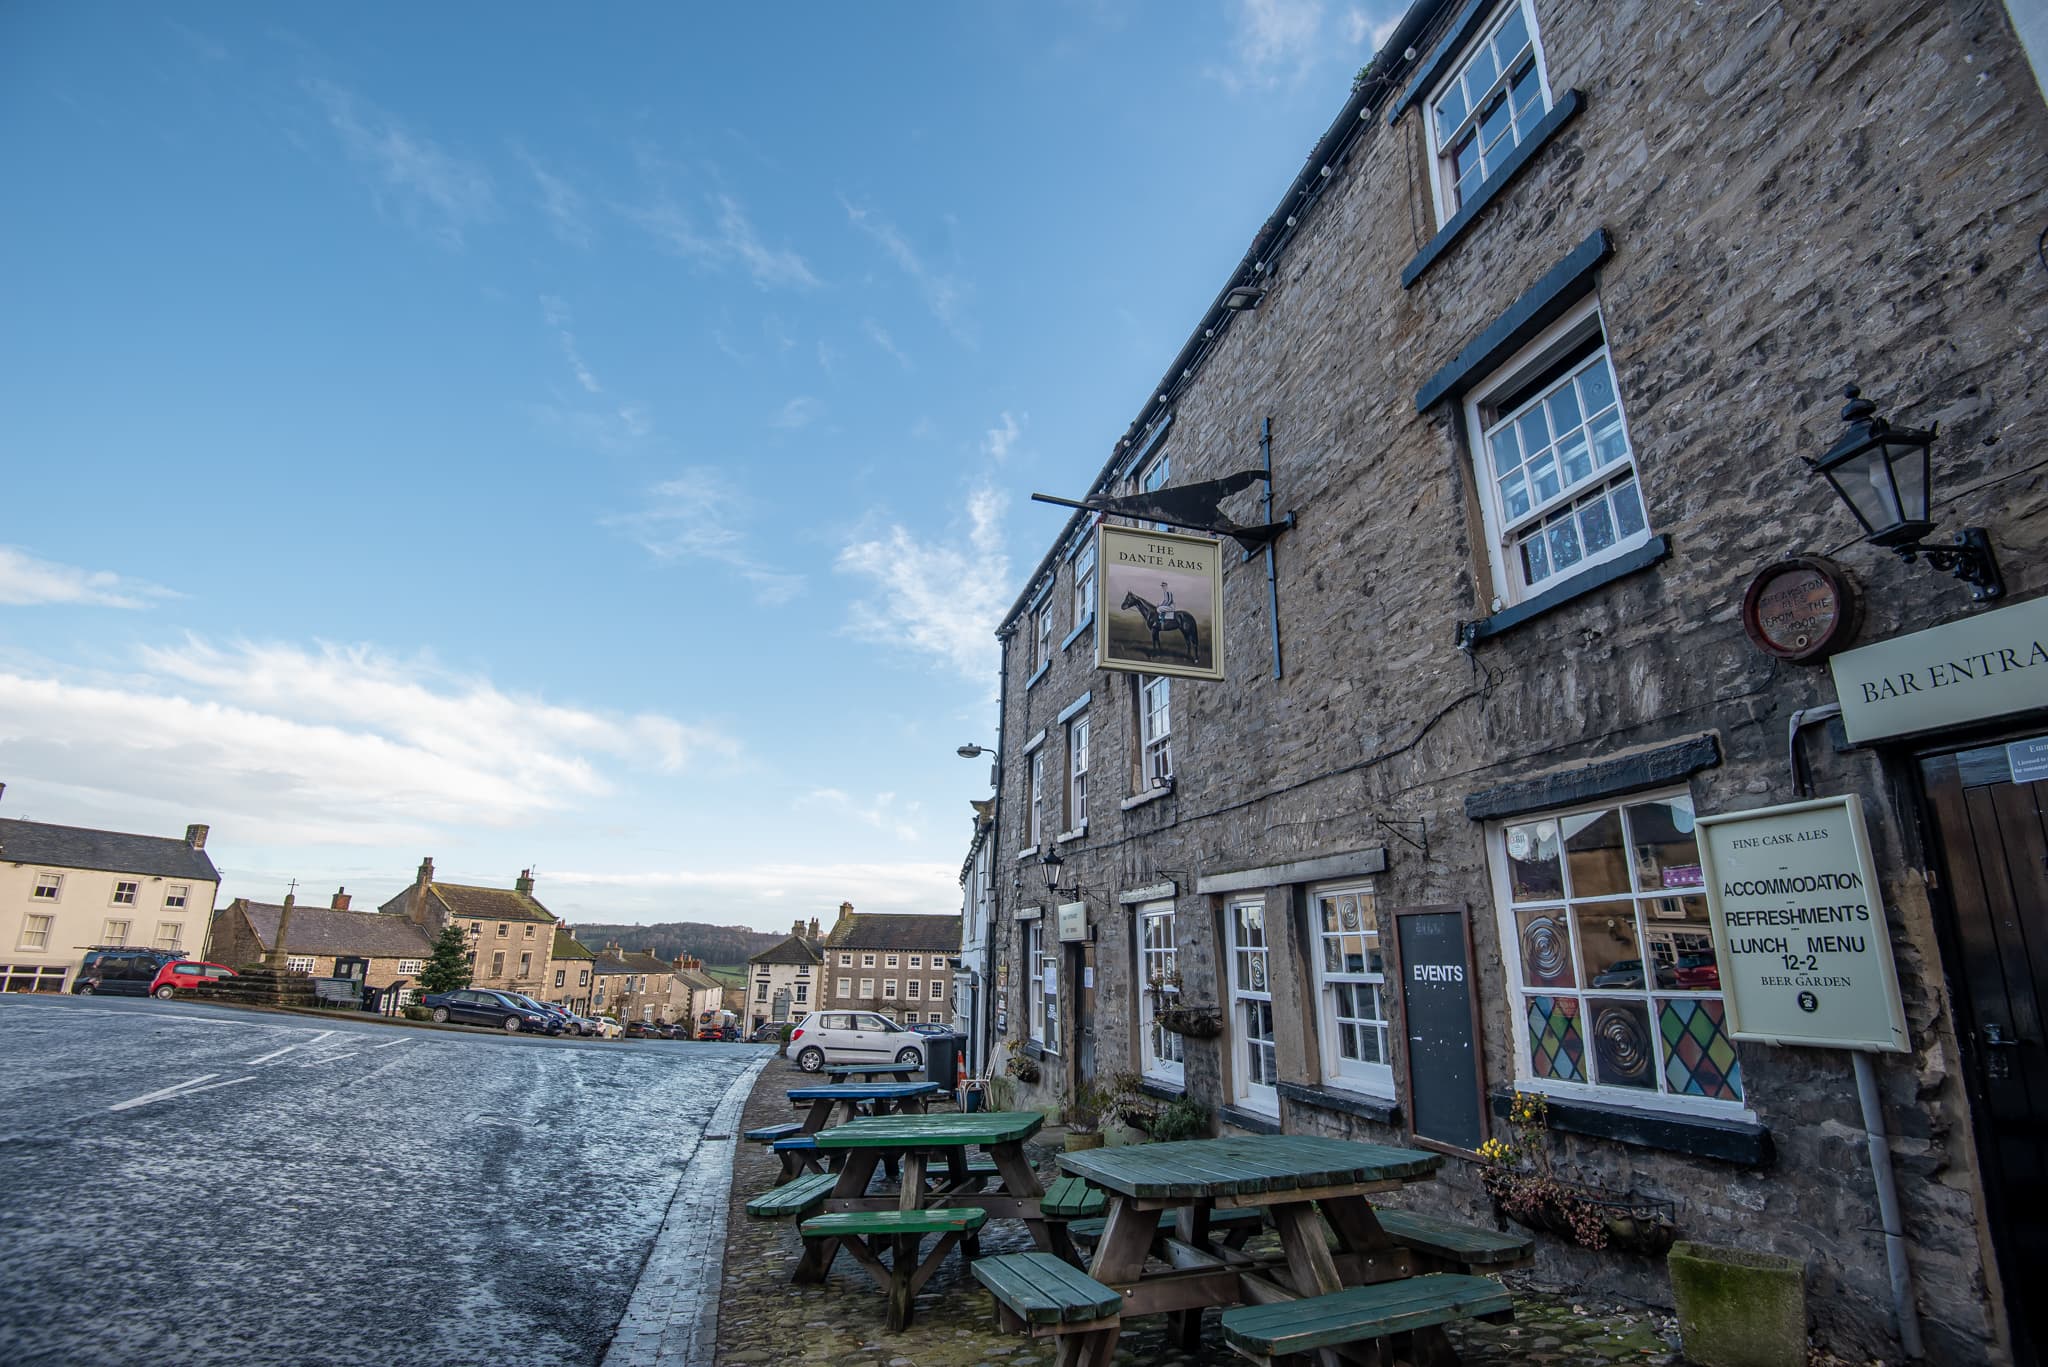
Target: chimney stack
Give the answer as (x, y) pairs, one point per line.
(426, 874)
(340, 902)
(195, 836)
(798, 930)
(525, 882)
(814, 927)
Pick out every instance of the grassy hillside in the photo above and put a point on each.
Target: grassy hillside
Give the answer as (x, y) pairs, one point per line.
(712, 944)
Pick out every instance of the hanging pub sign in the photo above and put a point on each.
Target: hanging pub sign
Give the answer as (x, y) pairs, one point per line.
(1159, 602)
(1799, 930)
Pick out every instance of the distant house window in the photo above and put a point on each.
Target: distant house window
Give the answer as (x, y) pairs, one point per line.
(503, 930)
(1160, 1050)
(529, 932)
(938, 989)
(910, 1018)
(35, 932)
(889, 988)
(1351, 1019)
(913, 989)
(561, 977)
(867, 987)
(803, 993)
(124, 893)
(116, 933)
(408, 967)
(1084, 583)
(917, 961)
(299, 963)
(1077, 773)
(890, 961)
(1037, 799)
(1043, 621)
(174, 896)
(48, 886)
(1153, 478)
(525, 964)
(170, 934)
(1155, 729)
(760, 992)
(498, 964)
(845, 987)
(582, 977)
(846, 961)
(803, 970)
(1487, 106)
(867, 961)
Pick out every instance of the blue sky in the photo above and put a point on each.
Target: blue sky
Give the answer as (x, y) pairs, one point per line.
(596, 438)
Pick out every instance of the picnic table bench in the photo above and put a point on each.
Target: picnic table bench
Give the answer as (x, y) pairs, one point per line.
(1043, 1296)
(802, 1198)
(868, 1234)
(1397, 1310)
(792, 1142)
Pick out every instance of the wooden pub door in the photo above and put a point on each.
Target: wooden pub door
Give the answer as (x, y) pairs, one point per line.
(1987, 810)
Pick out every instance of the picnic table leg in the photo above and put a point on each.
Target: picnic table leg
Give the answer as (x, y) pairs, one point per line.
(1119, 1261)
(1019, 1180)
(902, 1263)
(910, 1196)
(1308, 1258)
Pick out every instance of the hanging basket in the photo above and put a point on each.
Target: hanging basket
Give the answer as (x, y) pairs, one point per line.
(1587, 1216)
(1194, 1022)
(1023, 1068)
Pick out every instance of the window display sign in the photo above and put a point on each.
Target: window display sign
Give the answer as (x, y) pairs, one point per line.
(1799, 927)
(1161, 602)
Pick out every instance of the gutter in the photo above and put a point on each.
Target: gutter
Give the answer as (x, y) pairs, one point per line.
(1368, 95)
(995, 842)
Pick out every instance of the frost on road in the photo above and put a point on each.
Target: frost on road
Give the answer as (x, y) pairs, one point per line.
(196, 1185)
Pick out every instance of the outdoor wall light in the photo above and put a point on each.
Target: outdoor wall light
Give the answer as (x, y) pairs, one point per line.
(1052, 863)
(973, 751)
(1885, 475)
(1243, 297)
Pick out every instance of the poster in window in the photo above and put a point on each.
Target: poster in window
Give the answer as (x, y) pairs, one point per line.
(1161, 602)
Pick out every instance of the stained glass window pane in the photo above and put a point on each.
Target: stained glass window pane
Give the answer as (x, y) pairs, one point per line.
(1557, 1049)
(1699, 1058)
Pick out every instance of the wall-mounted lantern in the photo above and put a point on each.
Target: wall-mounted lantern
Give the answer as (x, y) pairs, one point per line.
(1885, 475)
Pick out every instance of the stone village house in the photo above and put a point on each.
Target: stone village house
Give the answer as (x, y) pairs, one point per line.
(900, 965)
(67, 889)
(511, 935)
(782, 980)
(376, 949)
(570, 980)
(1539, 337)
(633, 985)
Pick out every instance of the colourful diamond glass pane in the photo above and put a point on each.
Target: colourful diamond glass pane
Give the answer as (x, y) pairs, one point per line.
(1555, 1047)
(1699, 1058)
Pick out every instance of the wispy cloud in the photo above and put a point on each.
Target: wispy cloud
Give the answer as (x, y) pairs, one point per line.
(204, 45)
(798, 413)
(1275, 41)
(28, 582)
(879, 335)
(730, 240)
(882, 811)
(1370, 28)
(801, 889)
(556, 311)
(431, 190)
(563, 204)
(698, 516)
(943, 596)
(336, 744)
(944, 293)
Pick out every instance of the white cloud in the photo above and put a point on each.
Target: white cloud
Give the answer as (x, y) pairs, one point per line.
(434, 192)
(697, 516)
(879, 335)
(28, 582)
(557, 314)
(329, 744)
(942, 597)
(881, 812)
(562, 202)
(733, 240)
(1276, 40)
(798, 413)
(944, 293)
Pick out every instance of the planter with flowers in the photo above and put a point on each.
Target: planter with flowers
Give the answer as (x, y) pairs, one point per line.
(1518, 1176)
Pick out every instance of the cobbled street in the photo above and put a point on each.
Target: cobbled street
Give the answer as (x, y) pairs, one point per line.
(195, 1185)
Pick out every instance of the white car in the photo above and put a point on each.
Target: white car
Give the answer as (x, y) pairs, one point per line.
(826, 1037)
(607, 1028)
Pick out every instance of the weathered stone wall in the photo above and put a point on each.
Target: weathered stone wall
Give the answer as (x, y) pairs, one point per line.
(1798, 194)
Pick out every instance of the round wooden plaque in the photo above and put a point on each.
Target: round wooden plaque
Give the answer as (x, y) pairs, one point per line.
(1803, 609)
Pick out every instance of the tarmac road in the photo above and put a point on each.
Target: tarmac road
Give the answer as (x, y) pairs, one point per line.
(187, 1184)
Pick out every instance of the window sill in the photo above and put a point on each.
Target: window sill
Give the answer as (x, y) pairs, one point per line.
(1578, 586)
(1077, 633)
(1258, 1122)
(1744, 1143)
(1383, 1110)
(1563, 112)
(1140, 799)
(1036, 675)
(1026, 853)
(1064, 836)
(1160, 1089)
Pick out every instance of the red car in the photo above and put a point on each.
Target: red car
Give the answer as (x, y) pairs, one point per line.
(186, 973)
(1698, 971)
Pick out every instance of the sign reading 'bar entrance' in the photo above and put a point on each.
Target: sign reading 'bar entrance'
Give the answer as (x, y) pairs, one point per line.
(1984, 666)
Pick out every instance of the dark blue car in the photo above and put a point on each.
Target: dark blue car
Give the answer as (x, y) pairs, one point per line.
(504, 1010)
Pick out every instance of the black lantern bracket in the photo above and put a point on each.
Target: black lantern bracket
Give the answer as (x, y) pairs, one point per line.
(1885, 476)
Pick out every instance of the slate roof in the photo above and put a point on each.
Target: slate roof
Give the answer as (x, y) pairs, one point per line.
(608, 961)
(80, 847)
(893, 930)
(794, 950)
(488, 904)
(567, 946)
(699, 979)
(323, 930)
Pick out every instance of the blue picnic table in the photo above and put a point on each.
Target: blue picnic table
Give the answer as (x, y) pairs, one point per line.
(846, 1072)
(855, 1099)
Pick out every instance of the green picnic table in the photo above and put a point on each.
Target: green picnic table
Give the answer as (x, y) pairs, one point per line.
(913, 1142)
(1298, 1180)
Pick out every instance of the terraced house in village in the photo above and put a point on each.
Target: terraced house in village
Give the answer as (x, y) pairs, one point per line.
(511, 935)
(1537, 350)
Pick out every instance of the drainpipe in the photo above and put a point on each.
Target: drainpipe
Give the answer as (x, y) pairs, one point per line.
(1804, 717)
(1888, 1205)
(995, 864)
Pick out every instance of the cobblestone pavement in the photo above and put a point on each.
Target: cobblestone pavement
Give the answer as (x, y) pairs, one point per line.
(765, 1319)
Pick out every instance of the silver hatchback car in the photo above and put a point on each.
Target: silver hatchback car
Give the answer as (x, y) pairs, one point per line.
(827, 1037)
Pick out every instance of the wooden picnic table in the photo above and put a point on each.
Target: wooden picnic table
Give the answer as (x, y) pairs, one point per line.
(1291, 1177)
(846, 1072)
(913, 1141)
(848, 1098)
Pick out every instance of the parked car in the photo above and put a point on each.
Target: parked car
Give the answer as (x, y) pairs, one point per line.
(853, 1037)
(1629, 973)
(637, 1030)
(1696, 971)
(505, 1010)
(768, 1032)
(607, 1028)
(185, 973)
(122, 971)
(562, 1015)
(931, 1028)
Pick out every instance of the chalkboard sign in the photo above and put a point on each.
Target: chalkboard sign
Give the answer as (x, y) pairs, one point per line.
(1440, 1016)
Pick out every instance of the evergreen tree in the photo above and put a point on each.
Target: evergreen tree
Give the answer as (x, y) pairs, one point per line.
(449, 968)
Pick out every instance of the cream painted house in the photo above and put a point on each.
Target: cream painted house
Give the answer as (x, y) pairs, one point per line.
(67, 889)
(783, 980)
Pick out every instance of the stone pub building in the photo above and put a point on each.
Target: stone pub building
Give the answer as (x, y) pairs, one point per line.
(1539, 344)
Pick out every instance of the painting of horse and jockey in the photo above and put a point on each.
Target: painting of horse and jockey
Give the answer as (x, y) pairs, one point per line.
(1161, 595)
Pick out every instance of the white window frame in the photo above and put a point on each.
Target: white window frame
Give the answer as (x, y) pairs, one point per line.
(844, 987)
(49, 888)
(867, 961)
(1084, 582)
(846, 961)
(910, 1017)
(126, 890)
(1339, 1069)
(913, 988)
(35, 937)
(916, 961)
(938, 990)
(761, 992)
(1041, 626)
(1161, 1053)
(408, 967)
(1077, 773)
(497, 963)
(1035, 799)
(1043, 1006)
(802, 994)
(889, 989)
(1443, 180)
(1250, 968)
(170, 935)
(891, 960)
(867, 989)
(109, 935)
(1517, 994)
(299, 963)
(1505, 527)
(1154, 475)
(175, 895)
(1155, 730)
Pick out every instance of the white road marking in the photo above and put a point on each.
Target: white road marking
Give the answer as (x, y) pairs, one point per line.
(213, 1085)
(280, 1053)
(358, 1081)
(388, 1043)
(327, 1058)
(162, 1093)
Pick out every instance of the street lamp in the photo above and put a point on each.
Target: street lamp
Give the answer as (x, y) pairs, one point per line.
(1051, 862)
(973, 751)
(1885, 475)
